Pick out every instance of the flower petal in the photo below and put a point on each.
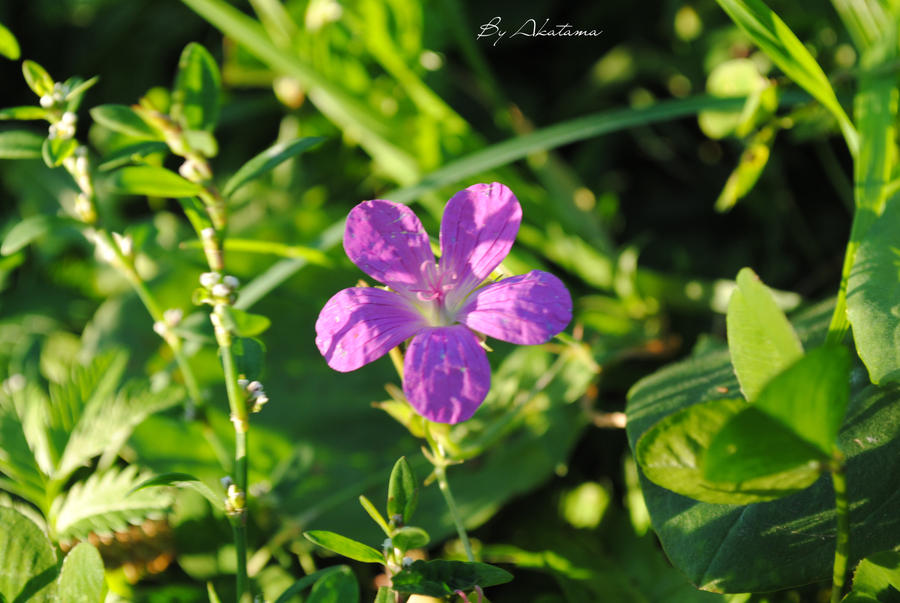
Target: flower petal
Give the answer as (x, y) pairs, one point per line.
(479, 226)
(386, 240)
(526, 309)
(446, 374)
(362, 324)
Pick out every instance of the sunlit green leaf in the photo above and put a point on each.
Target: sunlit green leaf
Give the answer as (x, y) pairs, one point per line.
(374, 514)
(268, 160)
(9, 46)
(37, 78)
(152, 181)
(410, 537)
(23, 113)
(81, 579)
(56, 150)
(29, 560)
(20, 144)
(876, 579)
(244, 324)
(31, 228)
(195, 98)
(344, 546)
(184, 480)
(125, 120)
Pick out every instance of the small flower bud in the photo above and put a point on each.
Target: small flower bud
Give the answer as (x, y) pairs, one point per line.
(160, 328)
(231, 281)
(226, 482)
(173, 316)
(259, 401)
(14, 383)
(407, 561)
(84, 209)
(46, 101)
(242, 383)
(125, 243)
(254, 386)
(69, 118)
(190, 170)
(221, 290)
(209, 279)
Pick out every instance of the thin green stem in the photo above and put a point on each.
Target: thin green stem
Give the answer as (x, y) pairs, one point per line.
(440, 472)
(842, 546)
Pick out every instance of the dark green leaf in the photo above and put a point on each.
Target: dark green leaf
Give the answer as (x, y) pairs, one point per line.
(20, 144)
(244, 324)
(439, 578)
(31, 228)
(403, 491)
(81, 579)
(23, 113)
(29, 560)
(335, 587)
(153, 182)
(56, 150)
(787, 542)
(760, 338)
(266, 161)
(249, 355)
(125, 120)
(184, 480)
(37, 78)
(305, 582)
(195, 98)
(9, 46)
(344, 546)
(409, 537)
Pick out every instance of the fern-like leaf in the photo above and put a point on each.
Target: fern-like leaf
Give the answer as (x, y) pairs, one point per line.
(17, 460)
(102, 504)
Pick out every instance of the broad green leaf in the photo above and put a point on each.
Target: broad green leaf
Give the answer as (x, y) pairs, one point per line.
(16, 457)
(125, 120)
(787, 542)
(37, 78)
(184, 480)
(409, 537)
(865, 20)
(306, 581)
(244, 324)
(760, 338)
(757, 453)
(202, 141)
(775, 38)
(375, 515)
(749, 168)
(31, 228)
(23, 113)
(876, 579)
(81, 579)
(56, 150)
(873, 297)
(440, 578)
(268, 160)
(29, 560)
(153, 182)
(344, 546)
(133, 153)
(403, 491)
(249, 355)
(102, 504)
(335, 587)
(9, 46)
(384, 595)
(20, 144)
(195, 98)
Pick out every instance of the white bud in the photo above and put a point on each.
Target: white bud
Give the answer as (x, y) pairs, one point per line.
(207, 234)
(173, 316)
(160, 328)
(46, 101)
(242, 383)
(188, 170)
(221, 290)
(209, 279)
(254, 386)
(260, 400)
(52, 131)
(69, 118)
(231, 281)
(14, 383)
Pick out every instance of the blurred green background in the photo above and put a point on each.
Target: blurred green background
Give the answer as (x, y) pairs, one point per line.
(402, 89)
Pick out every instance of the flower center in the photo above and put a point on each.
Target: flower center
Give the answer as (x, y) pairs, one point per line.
(434, 294)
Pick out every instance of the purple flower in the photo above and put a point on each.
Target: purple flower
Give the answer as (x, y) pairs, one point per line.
(446, 371)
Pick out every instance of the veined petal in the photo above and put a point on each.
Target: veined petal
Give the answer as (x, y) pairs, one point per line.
(362, 324)
(386, 240)
(526, 309)
(479, 226)
(446, 374)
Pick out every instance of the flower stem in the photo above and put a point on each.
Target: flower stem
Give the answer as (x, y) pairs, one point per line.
(842, 546)
(439, 459)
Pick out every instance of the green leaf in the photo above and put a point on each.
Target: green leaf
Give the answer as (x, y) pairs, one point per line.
(23, 113)
(125, 120)
(133, 153)
(403, 491)
(335, 587)
(102, 504)
(306, 581)
(375, 515)
(77, 88)
(37, 78)
(756, 453)
(244, 324)
(81, 579)
(877, 578)
(31, 228)
(787, 542)
(202, 141)
(760, 338)
(56, 150)
(20, 144)
(212, 594)
(749, 168)
(775, 38)
(195, 98)
(344, 546)
(384, 595)
(737, 78)
(440, 578)
(267, 160)
(153, 182)
(9, 46)
(184, 480)
(409, 537)
(29, 559)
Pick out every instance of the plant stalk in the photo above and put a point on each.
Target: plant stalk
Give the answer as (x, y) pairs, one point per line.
(842, 546)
